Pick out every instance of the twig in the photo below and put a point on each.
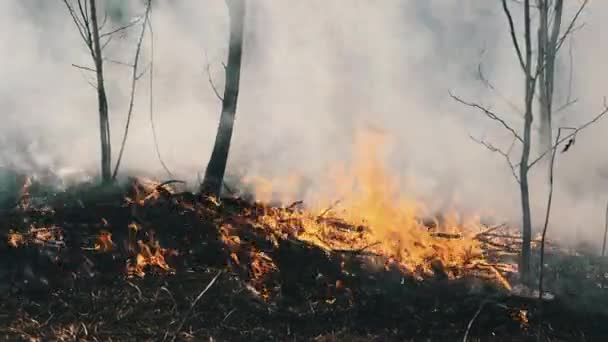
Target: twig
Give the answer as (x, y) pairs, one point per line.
(122, 28)
(547, 216)
(83, 67)
(506, 155)
(134, 79)
(294, 204)
(151, 101)
(140, 294)
(520, 57)
(328, 209)
(358, 250)
(490, 86)
(466, 334)
(489, 230)
(575, 131)
(489, 114)
(211, 83)
(200, 295)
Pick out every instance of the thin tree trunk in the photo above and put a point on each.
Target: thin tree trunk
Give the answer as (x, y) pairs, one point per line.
(525, 156)
(104, 121)
(214, 174)
(547, 53)
(543, 60)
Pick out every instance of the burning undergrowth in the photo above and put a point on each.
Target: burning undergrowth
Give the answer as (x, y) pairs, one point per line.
(148, 244)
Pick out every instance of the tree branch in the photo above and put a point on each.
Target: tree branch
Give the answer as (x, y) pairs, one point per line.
(571, 135)
(513, 34)
(83, 67)
(211, 83)
(506, 155)
(489, 114)
(122, 28)
(134, 78)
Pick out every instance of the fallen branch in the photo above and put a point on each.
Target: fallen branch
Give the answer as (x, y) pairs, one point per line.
(490, 230)
(358, 250)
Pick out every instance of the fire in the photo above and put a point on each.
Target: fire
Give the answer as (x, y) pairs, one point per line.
(150, 254)
(104, 242)
(375, 217)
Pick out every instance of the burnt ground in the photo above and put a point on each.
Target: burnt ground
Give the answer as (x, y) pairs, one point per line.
(268, 285)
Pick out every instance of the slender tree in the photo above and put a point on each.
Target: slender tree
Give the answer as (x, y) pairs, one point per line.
(84, 14)
(533, 73)
(214, 174)
(549, 30)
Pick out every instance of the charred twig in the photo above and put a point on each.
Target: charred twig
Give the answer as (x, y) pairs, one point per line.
(490, 230)
(181, 325)
(358, 250)
(294, 204)
(447, 235)
(466, 333)
(328, 209)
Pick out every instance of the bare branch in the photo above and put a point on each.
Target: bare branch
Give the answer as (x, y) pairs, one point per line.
(489, 114)
(119, 29)
(547, 216)
(83, 67)
(118, 62)
(151, 99)
(77, 22)
(513, 34)
(134, 78)
(490, 86)
(565, 105)
(208, 67)
(103, 46)
(571, 135)
(571, 27)
(506, 155)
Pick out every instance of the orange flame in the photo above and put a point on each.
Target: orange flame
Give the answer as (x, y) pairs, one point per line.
(389, 222)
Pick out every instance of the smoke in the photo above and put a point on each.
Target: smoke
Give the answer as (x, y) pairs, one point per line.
(313, 71)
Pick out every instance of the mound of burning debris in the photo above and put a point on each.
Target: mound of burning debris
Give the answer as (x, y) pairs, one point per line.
(128, 263)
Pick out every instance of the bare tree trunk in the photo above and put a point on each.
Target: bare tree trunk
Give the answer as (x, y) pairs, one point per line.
(214, 174)
(525, 155)
(104, 122)
(543, 96)
(547, 53)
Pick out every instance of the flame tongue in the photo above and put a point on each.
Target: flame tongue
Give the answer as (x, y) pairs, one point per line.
(374, 217)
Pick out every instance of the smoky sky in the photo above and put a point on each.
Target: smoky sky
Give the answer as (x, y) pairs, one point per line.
(313, 71)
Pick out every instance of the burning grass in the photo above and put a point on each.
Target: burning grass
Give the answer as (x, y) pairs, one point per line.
(130, 264)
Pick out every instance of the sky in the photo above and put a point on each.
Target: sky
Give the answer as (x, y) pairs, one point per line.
(313, 72)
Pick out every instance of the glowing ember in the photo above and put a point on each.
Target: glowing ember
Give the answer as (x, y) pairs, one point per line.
(104, 242)
(15, 239)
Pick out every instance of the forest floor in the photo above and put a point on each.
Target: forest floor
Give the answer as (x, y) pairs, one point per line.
(142, 263)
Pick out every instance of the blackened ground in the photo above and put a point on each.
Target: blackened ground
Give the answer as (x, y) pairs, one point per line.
(73, 294)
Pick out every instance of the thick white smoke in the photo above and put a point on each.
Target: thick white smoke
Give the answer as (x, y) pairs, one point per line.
(313, 70)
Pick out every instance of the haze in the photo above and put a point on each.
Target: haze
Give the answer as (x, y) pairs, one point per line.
(313, 71)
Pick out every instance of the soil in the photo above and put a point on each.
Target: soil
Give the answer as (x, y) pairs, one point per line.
(261, 285)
